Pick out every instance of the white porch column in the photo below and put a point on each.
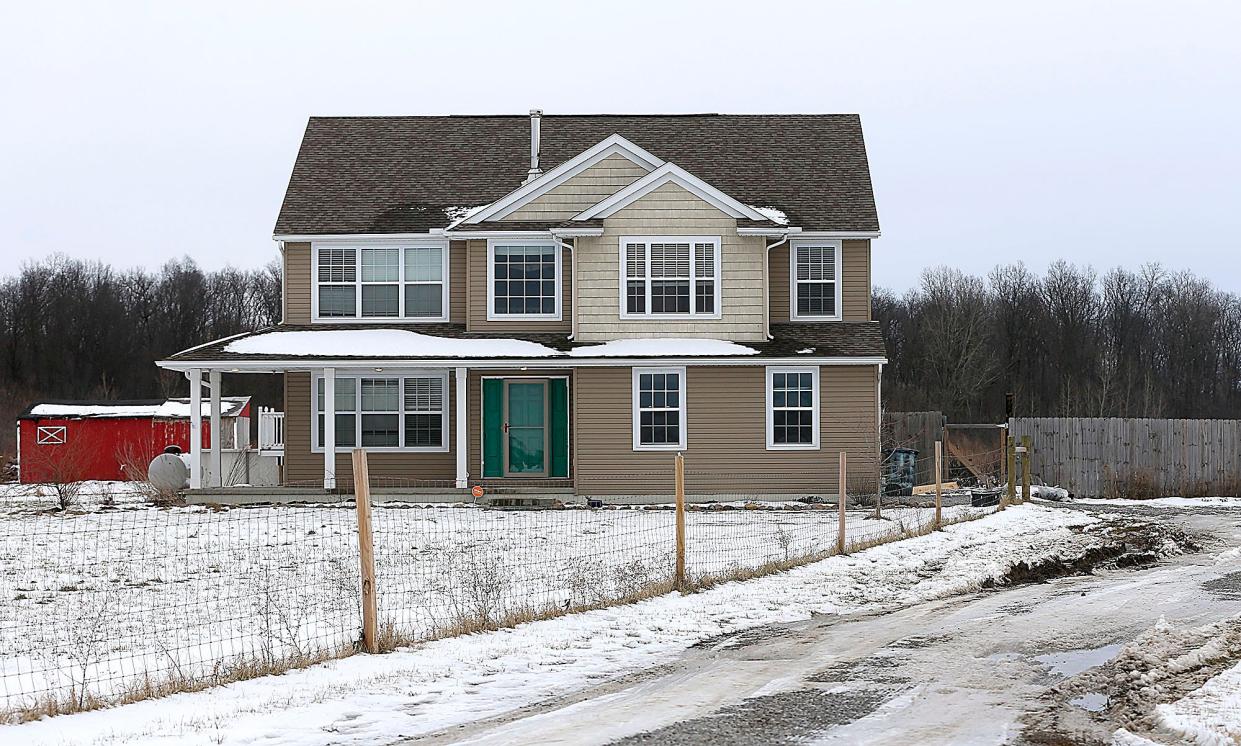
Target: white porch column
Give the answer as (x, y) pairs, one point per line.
(217, 430)
(329, 428)
(196, 428)
(463, 435)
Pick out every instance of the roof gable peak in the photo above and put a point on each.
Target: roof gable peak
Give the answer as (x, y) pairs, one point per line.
(511, 202)
(670, 173)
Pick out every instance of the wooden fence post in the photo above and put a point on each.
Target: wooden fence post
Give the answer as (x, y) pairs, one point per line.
(841, 498)
(939, 484)
(1026, 452)
(366, 552)
(680, 520)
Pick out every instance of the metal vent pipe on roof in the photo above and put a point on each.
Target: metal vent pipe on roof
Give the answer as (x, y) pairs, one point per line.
(535, 116)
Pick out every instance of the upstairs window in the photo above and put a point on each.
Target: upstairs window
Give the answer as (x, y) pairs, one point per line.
(523, 281)
(374, 283)
(670, 276)
(816, 280)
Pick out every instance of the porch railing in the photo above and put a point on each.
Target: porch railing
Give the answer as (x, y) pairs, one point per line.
(271, 430)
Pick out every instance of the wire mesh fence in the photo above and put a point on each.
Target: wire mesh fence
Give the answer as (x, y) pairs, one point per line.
(112, 600)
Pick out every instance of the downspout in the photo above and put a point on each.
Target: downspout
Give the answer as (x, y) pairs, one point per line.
(767, 285)
(573, 286)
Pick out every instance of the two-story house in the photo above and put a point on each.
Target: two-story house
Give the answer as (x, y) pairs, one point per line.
(565, 301)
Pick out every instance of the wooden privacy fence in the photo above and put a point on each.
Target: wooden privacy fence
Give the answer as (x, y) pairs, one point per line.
(1114, 457)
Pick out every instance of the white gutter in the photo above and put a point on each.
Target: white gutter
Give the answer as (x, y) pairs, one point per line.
(358, 236)
(558, 361)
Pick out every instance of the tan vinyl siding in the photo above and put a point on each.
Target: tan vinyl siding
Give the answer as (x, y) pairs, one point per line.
(726, 441)
(476, 320)
(855, 293)
(305, 468)
(457, 306)
(592, 185)
(672, 211)
(296, 282)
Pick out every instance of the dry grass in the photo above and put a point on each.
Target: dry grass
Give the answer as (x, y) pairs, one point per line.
(238, 670)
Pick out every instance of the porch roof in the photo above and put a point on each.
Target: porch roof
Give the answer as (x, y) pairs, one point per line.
(301, 346)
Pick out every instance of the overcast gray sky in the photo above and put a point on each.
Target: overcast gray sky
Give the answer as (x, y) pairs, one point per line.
(1103, 133)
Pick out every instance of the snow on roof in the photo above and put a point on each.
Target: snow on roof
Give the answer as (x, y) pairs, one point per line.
(400, 343)
(385, 343)
(457, 213)
(664, 347)
(170, 409)
(773, 214)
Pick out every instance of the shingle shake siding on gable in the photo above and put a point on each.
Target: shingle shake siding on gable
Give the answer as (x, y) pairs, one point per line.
(719, 256)
(365, 175)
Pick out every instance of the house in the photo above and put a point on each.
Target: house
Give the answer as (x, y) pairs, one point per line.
(563, 302)
(59, 441)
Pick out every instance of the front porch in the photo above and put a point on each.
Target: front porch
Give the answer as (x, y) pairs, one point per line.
(431, 433)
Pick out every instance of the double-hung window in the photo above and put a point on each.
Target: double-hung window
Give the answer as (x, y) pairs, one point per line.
(792, 408)
(381, 282)
(658, 409)
(815, 280)
(670, 276)
(387, 413)
(523, 280)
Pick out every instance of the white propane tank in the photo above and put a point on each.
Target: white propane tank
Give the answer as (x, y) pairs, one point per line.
(168, 472)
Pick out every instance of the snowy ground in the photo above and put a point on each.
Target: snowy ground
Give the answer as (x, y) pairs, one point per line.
(115, 596)
(1168, 502)
(436, 685)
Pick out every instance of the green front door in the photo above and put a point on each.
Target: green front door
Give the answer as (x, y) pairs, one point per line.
(525, 423)
(526, 427)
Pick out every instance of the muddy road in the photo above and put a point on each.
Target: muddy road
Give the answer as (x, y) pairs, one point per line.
(1041, 658)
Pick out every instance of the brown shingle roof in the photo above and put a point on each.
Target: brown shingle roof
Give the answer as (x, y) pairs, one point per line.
(827, 339)
(398, 174)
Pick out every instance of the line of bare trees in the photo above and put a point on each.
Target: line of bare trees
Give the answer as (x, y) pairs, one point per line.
(76, 329)
(1069, 343)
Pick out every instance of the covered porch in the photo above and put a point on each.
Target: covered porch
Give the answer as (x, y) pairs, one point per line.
(432, 433)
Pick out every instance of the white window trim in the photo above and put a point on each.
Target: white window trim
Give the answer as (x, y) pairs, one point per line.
(358, 246)
(636, 416)
(693, 278)
(838, 256)
(445, 434)
(51, 435)
(491, 280)
(768, 376)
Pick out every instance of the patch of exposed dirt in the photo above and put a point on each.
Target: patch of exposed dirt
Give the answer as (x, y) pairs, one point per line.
(1122, 543)
(1162, 665)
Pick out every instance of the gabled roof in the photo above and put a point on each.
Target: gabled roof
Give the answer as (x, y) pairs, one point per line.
(670, 173)
(359, 175)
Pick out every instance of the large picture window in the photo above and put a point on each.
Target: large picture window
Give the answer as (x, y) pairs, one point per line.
(382, 282)
(815, 280)
(658, 409)
(792, 408)
(670, 276)
(523, 280)
(387, 413)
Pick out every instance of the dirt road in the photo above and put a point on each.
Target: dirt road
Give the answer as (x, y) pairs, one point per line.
(1013, 664)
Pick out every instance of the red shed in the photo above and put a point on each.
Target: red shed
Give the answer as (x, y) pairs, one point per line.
(69, 441)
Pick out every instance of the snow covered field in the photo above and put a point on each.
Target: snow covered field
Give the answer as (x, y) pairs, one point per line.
(376, 699)
(122, 600)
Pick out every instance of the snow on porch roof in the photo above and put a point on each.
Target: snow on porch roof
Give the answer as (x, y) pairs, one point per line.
(295, 345)
(230, 406)
(400, 343)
